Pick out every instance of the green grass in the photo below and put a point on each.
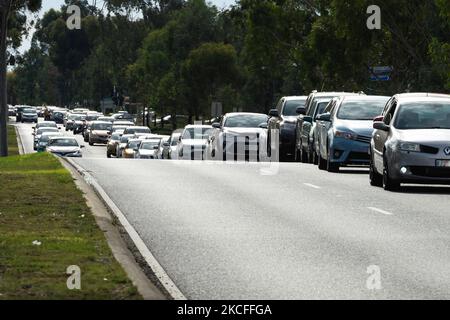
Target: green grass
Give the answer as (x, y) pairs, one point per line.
(39, 201)
(13, 150)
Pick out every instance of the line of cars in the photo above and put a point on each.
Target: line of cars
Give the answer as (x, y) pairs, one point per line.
(49, 138)
(402, 139)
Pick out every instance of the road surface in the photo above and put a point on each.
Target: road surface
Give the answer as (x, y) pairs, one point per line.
(225, 231)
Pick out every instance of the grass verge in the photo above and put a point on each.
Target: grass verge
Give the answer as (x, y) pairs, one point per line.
(13, 149)
(40, 202)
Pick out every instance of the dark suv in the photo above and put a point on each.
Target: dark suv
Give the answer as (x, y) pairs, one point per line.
(284, 120)
(306, 122)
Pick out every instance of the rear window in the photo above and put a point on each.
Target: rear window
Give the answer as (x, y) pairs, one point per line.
(290, 107)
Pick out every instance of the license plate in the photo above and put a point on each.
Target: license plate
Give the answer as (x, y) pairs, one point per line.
(443, 163)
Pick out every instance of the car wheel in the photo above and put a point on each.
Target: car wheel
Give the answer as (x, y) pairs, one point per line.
(303, 156)
(315, 158)
(108, 155)
(331, 166)
(389, 184)
(376, 179)
(91, 143)
(322, 163)
(297, 155)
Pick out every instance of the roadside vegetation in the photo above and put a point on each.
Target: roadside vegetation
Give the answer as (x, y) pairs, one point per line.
(184, 54)
(12, 141)
(45, 227)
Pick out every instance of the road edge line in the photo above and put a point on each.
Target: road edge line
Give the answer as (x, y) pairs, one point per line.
(160, 274)
(19, 141)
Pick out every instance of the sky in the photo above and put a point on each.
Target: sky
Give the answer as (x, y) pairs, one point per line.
(56, 4)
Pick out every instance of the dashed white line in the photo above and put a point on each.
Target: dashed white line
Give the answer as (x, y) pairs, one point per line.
(380, 211)
(312, 186)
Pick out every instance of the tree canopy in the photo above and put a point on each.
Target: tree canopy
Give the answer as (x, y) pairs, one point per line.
(178, 56)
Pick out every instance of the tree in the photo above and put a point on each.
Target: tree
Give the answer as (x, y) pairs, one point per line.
(207, 69)
(16, 10)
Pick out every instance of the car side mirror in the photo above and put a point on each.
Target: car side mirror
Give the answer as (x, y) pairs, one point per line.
(381, 126)
(33, 134)
(263, 126)
(378, 119)
(324, 117)
(33, 127)
(301, 110)
(274, 113)
(166, 144)
(215, 125)
(155, 147)
(82, 147)
(307, 119)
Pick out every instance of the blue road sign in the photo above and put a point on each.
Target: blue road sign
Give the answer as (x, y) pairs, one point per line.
(380, 77)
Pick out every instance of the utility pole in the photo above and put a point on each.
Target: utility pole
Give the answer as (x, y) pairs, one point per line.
(5, 6)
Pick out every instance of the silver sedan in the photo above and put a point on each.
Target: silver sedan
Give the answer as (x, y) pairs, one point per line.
(411, 142)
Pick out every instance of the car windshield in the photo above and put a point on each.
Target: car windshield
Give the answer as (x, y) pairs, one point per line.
(423, 115)
(361, 110)
(150, 145)
(79, 118)
(29, 111)
(64, 142)
(138, 130)
(115, 137)
(133, 144)
(124, 139)
(290, 108)
(101, 126)
(46, 138)
(197, 133)
(91, 118)
(246, 121)
(41, 131)
(46, 125)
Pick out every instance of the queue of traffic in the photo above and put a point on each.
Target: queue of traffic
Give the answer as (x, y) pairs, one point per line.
(401, 139)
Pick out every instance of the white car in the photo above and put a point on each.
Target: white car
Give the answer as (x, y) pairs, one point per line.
(172, 151)
(239, 137)
(148, 149)
(64, 147)
(193, 141)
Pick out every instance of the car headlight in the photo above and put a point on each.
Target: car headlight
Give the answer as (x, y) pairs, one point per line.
(345, 135)
(408, 146)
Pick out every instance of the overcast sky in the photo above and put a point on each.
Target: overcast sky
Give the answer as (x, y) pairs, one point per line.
(48, 4)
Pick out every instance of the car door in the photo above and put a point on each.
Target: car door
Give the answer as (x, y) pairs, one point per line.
(380, 137)
(274, 122)
(300, 121)
(322, 129)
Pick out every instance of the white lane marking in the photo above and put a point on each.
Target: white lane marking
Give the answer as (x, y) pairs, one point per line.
(149, 258)
(380, 211)
(312, 186)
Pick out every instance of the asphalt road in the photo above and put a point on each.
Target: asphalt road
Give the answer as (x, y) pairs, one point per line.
(226, 231)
